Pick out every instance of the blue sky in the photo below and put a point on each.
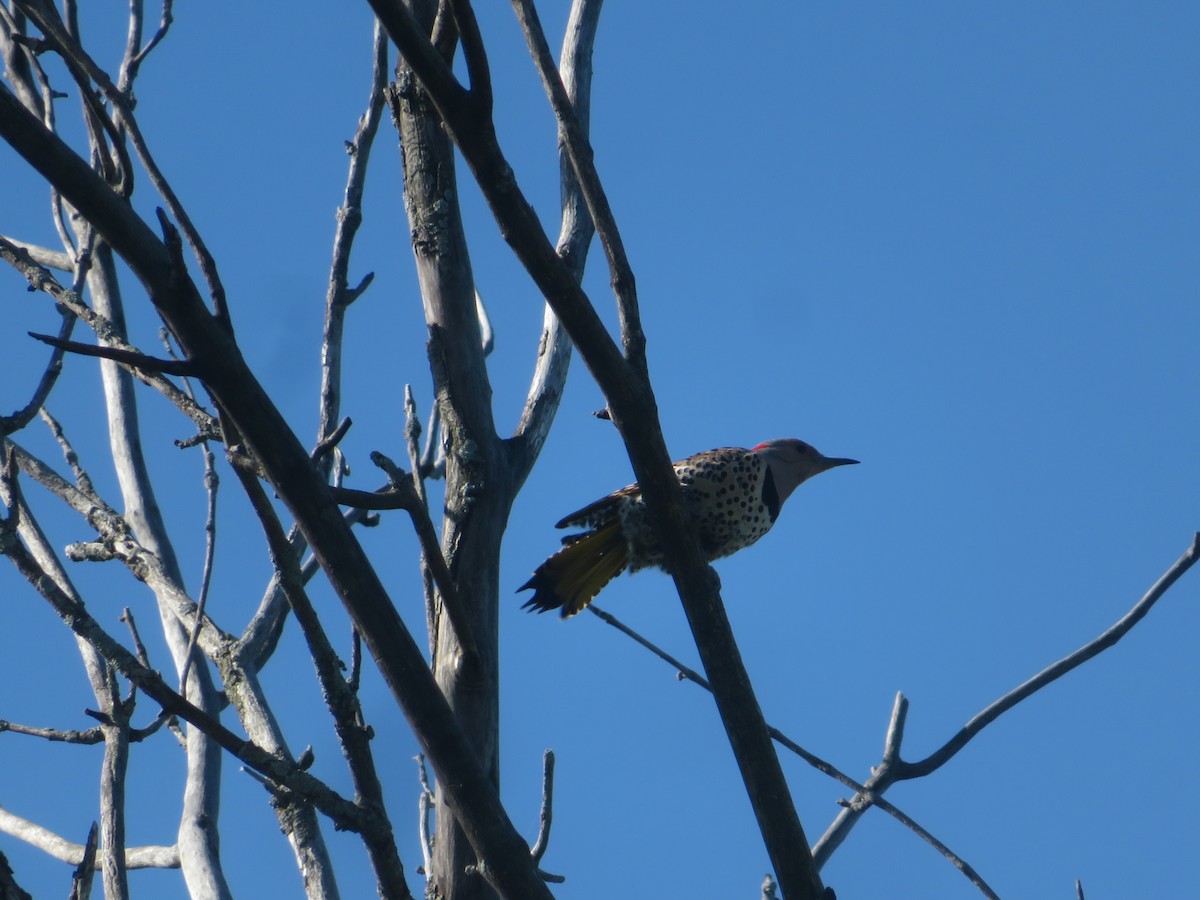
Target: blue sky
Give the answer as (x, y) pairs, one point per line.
(957, 242)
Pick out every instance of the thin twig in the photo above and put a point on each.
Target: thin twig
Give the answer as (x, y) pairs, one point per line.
(412, 437)
(894, 769)
(134, 55)
(57, 735)
(431, 550)
(338, 296)
(42, 280)
(574, 238)
(83, 481)
(688, 674)
(480, 94)
(546, 819)
(130, 358)
(433, 457)
(1056, 670)
(574, 139)
(341, 701)
(424, 811)
(79, 61)
(330, 443)
(344, 812)
(211, 483)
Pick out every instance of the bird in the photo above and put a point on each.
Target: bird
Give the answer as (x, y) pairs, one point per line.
(733, 494)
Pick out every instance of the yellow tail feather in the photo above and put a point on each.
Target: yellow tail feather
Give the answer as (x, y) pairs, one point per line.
(575, 574)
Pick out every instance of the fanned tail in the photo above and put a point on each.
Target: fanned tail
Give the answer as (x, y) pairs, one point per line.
(575, 574)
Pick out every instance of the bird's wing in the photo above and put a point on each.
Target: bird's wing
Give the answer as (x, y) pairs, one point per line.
(595, 514)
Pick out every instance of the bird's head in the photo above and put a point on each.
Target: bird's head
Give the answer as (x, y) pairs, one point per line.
(793, 462)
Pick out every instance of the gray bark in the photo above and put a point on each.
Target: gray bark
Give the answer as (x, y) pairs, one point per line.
(478, 496)
(198, 827)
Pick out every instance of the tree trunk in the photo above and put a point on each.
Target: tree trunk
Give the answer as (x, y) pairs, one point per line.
(478, 483)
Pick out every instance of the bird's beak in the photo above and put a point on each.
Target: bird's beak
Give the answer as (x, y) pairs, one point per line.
(831, 461)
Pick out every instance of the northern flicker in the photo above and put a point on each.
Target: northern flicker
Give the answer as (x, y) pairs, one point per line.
(734, 495)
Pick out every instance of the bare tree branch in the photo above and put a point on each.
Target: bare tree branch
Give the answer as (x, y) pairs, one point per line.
(631, 402)
(59, 735)
(207, 340)
(574, 238)
(573, 139)
(130, 358)
(893, 768)
(864, 797)
(82, 64)
(339, 296)
(114, 533)
(341, 700)
(431, 552)
(1057, 670)
(42, 256)
(546, 817)
(149, 857)
(211, 483)
(135, 51)
(345, 813)
(105, 330)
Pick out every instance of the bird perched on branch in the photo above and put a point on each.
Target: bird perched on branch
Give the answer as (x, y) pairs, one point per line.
(734, 495)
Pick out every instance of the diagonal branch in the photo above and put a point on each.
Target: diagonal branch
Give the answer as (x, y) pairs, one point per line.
(339, 295)
(892, 768)
(573, 138)
(81, 622)
(631, 402)
(400, 494)
(132, 358)
(17, 255)
(147, 857)
(339, 698)
(41, 256)
(476, 57)
(864, 797)
(1056, 670)
(205, 340)
(574, 239)
(117, 543)
(135, 51)
(51, 26)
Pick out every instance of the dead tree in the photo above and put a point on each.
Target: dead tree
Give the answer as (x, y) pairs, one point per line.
(450, 698)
